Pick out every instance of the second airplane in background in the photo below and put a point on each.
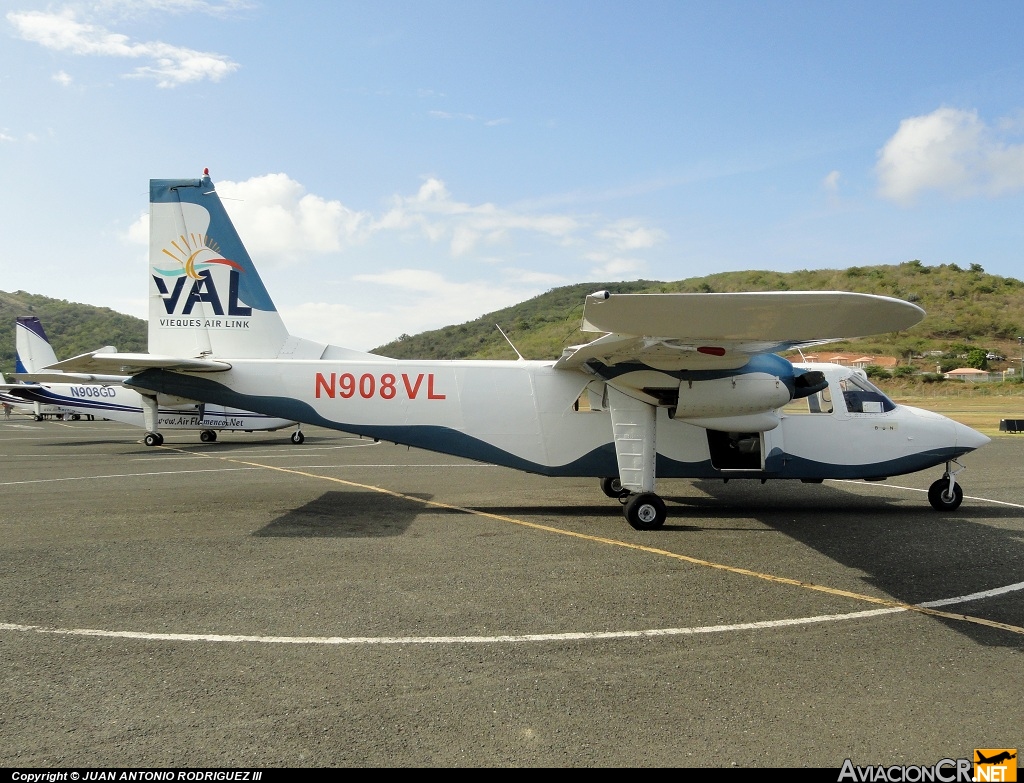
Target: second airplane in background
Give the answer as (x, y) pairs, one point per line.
(105, 396)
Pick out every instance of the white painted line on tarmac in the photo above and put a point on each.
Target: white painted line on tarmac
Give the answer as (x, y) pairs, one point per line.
(120, 475)
(501, 638)
(498, 639)
(962, 599)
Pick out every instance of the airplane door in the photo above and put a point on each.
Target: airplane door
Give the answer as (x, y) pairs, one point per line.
(736, 451)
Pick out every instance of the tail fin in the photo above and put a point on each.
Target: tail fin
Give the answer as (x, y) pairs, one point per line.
(34, 351)
(206, 297)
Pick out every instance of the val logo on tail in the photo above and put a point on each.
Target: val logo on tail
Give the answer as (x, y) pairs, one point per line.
(671, 386)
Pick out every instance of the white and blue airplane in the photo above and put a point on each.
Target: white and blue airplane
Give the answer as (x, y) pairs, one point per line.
(74, 395)
(673, 386)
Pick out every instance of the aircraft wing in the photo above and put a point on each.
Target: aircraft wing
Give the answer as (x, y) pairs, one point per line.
(103, 363)
(722, 331)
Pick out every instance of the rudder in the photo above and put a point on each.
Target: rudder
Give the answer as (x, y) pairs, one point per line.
(33, 349)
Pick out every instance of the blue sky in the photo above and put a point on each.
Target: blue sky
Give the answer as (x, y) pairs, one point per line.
(398, 166)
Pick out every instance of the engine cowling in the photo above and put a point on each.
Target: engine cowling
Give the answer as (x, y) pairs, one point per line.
(739, 395)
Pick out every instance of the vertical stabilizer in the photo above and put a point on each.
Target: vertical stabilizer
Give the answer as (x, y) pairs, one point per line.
(206, 297)
(33, 350)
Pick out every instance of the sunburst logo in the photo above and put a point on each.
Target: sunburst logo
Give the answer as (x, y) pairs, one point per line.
(193, 254)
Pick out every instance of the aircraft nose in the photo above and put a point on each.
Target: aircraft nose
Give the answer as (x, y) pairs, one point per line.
(967, 438)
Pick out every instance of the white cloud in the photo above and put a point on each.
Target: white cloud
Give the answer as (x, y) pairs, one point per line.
(614, 268)
(630, 235)
(169, 65)
(831, 182)
(283, 224)
(274, 214)
(951, 151)
(62, 78)
(439, 217)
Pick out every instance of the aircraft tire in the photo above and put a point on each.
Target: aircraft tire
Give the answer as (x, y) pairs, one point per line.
(297, 438)
(152, 439)
(37, 417)
(612, 487)
(645, 511)
(159, 439)
(207, 436)
(939, 497)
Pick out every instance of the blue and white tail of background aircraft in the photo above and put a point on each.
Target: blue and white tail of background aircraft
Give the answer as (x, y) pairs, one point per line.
(675, 386)
(105, 396)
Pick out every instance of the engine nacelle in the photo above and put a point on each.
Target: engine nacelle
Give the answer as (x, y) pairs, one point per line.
(738, 395)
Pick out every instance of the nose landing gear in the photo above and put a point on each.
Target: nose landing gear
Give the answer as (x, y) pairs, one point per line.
(945, 494)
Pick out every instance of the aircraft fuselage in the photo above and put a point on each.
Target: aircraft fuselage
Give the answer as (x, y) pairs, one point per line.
(529, 416)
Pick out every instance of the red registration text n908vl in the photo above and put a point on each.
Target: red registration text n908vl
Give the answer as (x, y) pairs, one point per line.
(387, 386)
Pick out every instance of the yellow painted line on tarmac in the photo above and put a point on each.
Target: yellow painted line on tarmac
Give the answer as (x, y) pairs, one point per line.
(887, 602)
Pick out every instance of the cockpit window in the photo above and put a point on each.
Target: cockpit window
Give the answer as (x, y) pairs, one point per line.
(862, 396)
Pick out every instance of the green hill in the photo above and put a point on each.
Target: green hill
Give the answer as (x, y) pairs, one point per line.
(73, 328)
(966, 308)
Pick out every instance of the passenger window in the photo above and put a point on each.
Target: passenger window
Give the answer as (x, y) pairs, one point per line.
(820, 402)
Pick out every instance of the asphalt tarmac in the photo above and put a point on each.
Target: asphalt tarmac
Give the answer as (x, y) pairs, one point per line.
(252, 603)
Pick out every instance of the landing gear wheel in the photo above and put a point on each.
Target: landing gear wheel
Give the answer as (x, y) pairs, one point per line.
(75, 417)
(941, 500)
(153, 439)
(37, 417)
(612, 487)
(645, 511)
(207, 436)
(298, 437)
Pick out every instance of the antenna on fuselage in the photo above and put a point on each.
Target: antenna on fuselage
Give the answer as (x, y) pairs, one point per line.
(510, 343)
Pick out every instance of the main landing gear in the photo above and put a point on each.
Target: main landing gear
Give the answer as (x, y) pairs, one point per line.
(945, 494)
(207, 436)
(153, 439)
(643, 510)
(634, 431)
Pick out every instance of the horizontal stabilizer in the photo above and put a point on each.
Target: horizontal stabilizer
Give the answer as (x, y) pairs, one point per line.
(96, 362)
(69, 377)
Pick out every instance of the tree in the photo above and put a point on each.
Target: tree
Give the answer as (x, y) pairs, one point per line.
(977, 359)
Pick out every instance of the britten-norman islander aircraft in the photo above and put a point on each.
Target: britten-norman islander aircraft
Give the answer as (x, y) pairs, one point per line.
(675, 386)
(104, 396)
